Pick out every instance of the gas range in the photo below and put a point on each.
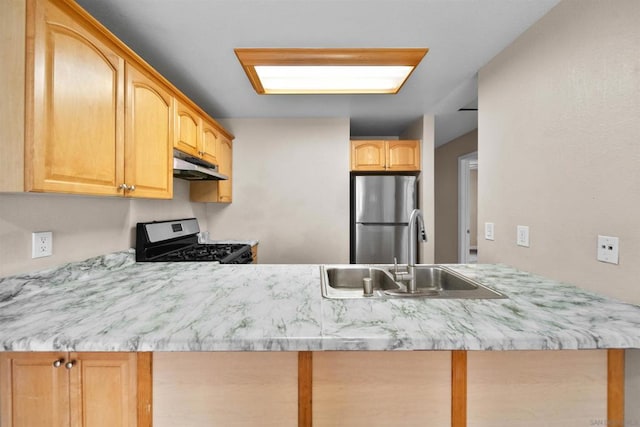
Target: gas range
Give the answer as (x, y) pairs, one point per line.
(177, 240)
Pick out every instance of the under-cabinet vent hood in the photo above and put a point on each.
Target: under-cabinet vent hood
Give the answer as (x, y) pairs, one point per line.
(194, 169)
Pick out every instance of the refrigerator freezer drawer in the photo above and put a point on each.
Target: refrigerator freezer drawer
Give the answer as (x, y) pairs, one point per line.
(380, 243)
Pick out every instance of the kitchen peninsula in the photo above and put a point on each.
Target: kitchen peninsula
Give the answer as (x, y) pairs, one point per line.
(185, 313)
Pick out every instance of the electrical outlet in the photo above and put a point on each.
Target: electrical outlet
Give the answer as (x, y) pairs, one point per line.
(41, 244)
(488, 231)
(522, 238)
(608, 249)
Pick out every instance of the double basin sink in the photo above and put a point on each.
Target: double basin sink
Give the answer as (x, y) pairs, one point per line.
(432, 281)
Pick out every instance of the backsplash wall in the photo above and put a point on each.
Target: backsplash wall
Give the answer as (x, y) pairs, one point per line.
(82, 226)
(290, 189)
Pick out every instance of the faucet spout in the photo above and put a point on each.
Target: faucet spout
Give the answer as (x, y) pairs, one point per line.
(416, 224)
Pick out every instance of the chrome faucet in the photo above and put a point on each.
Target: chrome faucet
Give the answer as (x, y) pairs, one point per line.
(415, 221)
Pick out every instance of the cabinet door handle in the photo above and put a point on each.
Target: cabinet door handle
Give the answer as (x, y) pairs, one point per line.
(58, 363)
(70, 364)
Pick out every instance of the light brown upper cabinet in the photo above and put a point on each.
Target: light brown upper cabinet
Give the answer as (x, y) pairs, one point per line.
(74, 389)
(75, 107)
(195, 135)
(368, 155)
(217, 191)
(83, 114)
(378, 155)
(188, 130)
(210, 142)
(225, 149)
(149, 132)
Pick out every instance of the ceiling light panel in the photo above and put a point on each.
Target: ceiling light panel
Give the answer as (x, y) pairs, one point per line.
(332, 78)
(328, 71)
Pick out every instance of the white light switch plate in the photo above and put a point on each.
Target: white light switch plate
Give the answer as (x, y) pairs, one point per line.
(608, 248)
(488, 231)
(522, 238)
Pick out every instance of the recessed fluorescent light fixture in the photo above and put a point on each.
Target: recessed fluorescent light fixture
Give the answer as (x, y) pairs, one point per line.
(329, 71)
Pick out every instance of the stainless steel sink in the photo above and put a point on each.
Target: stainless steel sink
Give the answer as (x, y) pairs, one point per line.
(432, 281)
(345, 281)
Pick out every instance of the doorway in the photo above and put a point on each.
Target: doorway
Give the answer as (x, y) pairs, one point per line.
(468, 208)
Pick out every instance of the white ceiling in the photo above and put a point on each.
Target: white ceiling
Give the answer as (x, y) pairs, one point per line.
(191, 43)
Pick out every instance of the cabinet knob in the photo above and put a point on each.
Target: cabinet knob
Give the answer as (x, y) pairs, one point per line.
(124, 187)
(58, 363)
(132, 188)
(70, 364)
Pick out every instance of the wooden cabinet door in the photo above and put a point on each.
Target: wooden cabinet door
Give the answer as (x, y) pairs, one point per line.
(76, 107)
(216, 191)
(403, 155)
(188, 130)
(368, 155)
(103, 390)
(33, 393)
(209, 146)
(148, 137)
(225, 150)
(96, 390)
(254, 254)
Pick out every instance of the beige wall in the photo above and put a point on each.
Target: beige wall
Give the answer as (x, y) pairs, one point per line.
(446, 195)
(558, 142)
(290, 189)
(82, 226)
(424, 130)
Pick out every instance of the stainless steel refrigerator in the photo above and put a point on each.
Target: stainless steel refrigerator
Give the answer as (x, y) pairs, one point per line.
(380, 210)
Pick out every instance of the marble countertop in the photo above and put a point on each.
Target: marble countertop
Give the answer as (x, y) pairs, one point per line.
(112, 303)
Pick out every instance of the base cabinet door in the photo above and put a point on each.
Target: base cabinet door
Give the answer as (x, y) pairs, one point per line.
(103, 389)
(69, 390)
(33, 393)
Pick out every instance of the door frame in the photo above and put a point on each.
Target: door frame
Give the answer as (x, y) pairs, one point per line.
(466, 162)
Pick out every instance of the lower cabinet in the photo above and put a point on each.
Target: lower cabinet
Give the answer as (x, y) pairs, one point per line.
(52, 389)
(563, 388)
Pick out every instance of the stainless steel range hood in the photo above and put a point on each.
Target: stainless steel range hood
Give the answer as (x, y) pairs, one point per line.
(194, 169)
